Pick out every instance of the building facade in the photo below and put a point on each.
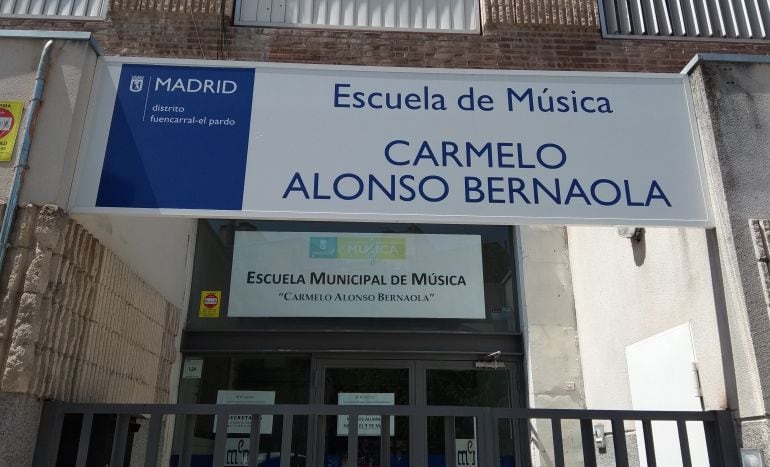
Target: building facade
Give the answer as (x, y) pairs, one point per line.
(105, 304)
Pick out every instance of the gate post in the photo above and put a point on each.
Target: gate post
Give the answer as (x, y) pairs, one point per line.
(49, 434)
(721, 439)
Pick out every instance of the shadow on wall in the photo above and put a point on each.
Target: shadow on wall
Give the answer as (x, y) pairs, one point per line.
(639, 247)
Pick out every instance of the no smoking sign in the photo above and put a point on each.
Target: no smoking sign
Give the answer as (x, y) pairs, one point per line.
(10, 117)
(211, 301)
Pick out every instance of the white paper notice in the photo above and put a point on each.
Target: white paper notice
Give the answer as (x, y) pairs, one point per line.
(242, 423)
(368, 425)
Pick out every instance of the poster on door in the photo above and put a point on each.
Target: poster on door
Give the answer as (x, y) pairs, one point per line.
(368, 425)
(237, 452)
(241, 424)
(356, 275)
(465, 449)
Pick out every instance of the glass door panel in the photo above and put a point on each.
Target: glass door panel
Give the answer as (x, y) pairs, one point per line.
(387, 383)
(459, 384)
(258, 380)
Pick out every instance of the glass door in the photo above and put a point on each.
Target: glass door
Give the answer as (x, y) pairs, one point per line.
(463, 383)
(466, 384)
(364, 382)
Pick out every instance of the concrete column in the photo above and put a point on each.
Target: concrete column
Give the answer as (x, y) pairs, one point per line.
(732, 103)
(550, 328)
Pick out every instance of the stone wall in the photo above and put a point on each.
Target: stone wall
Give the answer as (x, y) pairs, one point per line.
(760, 232)
(76, 324)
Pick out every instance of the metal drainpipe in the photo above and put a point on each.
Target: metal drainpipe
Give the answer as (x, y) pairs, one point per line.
(26, 142)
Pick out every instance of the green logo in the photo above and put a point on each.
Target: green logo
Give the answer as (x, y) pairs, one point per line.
(371, 248)
(323, 247)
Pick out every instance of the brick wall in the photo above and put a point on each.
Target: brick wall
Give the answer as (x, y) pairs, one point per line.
(557, 35)
(75, 323)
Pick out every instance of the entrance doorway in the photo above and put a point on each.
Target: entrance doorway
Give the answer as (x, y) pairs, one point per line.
(420, 383)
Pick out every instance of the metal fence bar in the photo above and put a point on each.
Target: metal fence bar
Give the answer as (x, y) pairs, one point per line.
(684, 443)
(286, 435)
(587, 437)
(47, 446)
(418, 454)
(719, 428)
(220, 440)
(483, 441)
(728, 443)
(85, 440)
(188, 433)
(153, 441)
(712, 442)
(352, 440)
(558, 443)
(720, 440)
(119, 439)
(600, 414)
(385, 441)
(494, 427)
(397, 410)
(619, 441)
(649, 443)
(449, 440)
(254, 432)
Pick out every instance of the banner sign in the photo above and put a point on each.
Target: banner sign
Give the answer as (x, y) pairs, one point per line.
(292, 274)
(207, 139)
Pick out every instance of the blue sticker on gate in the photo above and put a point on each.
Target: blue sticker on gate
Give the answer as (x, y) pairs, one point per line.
(178, 139)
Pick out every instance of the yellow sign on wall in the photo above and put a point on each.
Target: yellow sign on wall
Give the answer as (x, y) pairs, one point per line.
(10, 121)
(210, 303)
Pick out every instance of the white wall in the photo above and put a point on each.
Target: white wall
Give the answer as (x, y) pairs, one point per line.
(626, 291)
(155, 248)
(56, 134)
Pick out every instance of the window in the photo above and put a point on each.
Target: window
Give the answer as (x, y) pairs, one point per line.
(422, 15)
(52, 9)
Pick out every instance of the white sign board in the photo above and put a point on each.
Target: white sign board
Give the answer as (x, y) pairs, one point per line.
(193, 368)
(291, 274)
(364, 143)
(242, 423)
(368, 425)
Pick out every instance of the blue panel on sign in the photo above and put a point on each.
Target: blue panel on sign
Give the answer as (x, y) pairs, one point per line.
(178, 138)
